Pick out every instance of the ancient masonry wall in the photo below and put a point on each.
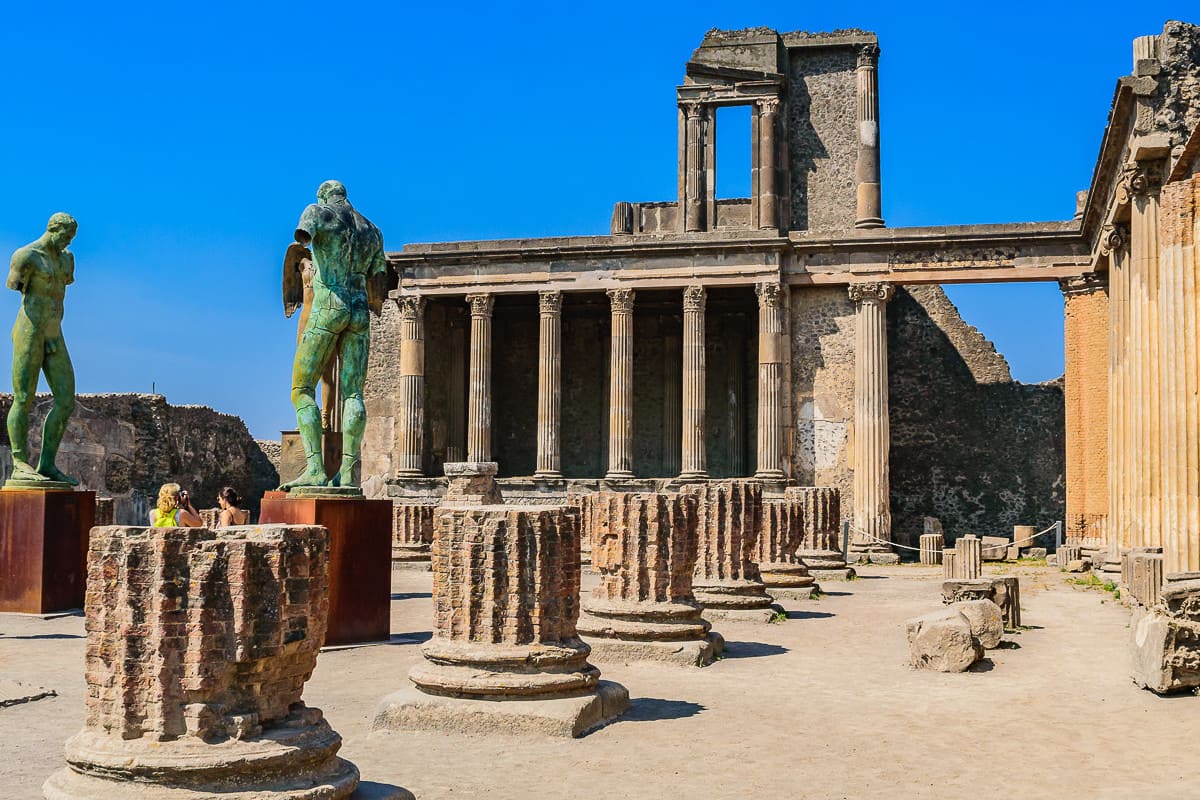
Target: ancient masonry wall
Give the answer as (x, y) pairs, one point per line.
(127, 445)
(1086, 412)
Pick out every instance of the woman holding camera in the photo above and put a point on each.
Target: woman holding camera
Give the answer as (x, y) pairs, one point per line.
(174, 509)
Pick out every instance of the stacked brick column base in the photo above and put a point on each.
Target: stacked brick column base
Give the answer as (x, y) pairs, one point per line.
(198, 647)
(644, 546)
(821, 543)
(505, 655)
(786, 576)
(727, 581)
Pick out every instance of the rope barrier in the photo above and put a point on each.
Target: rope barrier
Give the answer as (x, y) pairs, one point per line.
(857, 532)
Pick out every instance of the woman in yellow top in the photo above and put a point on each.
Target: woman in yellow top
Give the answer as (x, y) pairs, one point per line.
(231, 515)
(174, 509)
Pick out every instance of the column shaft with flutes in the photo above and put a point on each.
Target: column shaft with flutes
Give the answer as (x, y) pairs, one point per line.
(456, 435)
(866, 173)
(768, 199)
(672, 430)
(412, 386)
(620, 395)
(694, 464)
(770, 381)
(549, 417)
(1114, 243)
(872, 500)
(479, 401)
(694, 194)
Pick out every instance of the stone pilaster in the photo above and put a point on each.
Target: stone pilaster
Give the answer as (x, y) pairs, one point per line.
(866, 173)
(768, 160)
(412, 387)
(692, 459)
(620, 395)
(770, 381)
(479, 402)
(456, 391)
(872, 500)
(694, 199)
(644, 547)
(549, 418)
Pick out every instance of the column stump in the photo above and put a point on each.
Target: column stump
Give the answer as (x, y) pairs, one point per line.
(505, 655)
(785, 575)
(727, 582)
(644, 609)
(412, 535)
(192, 696)
(44, 543)
(820, 544)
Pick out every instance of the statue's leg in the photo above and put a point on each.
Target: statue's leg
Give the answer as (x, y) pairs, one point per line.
(28, 347)
(60, 375)
(312, 353)
(354, 412)
(329, 395)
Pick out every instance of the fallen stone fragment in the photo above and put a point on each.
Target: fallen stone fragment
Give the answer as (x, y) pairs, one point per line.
(942, 641)
(987, 621)
(1079, 565)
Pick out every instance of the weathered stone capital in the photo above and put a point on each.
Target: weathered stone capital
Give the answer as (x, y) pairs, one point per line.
(693, 298)
(1114, 237)
(1083, 284)
(871, 292)
(1139, 179)
(691, 108)
(412, 307)
(621, 299)
(550, 302)
(768, 293)
(768, 105)
(481, 304)
(868, 56)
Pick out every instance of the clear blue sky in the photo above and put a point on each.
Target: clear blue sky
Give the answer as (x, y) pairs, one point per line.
(187, 138)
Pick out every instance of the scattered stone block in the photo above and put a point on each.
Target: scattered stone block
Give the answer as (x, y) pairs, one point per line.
(932, 545)
(987, 622)
(1079, 565)
(727, 582)
(820, 545)
(949, 564)
(199, 643)
(505, 654)
(1166, 640)
(1033, 552)
(942, 641)
(994, 548)
(644, 546)
(1142, 575)
(1067, 553)
(1004, 591)
(1012, 553)
(954, 591)
(968, 558)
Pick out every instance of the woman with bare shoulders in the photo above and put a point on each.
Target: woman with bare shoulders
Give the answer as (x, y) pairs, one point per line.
(231, 515)
(174, 509)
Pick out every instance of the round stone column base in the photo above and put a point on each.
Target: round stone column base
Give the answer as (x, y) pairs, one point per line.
(573, 716)
(283, 763)
(480, 669)
(732, 595)
(690, 653)
(785, 576)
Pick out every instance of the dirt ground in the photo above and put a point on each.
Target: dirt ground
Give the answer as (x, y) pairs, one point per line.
(820, 706)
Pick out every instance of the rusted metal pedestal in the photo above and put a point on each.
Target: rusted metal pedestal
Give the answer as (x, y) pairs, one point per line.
(43, 549)
(360, 560)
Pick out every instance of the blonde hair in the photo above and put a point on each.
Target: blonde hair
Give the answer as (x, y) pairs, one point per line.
(168, 497)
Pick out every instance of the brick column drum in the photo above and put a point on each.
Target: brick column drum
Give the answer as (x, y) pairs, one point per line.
(821, 542)
(198, 647)
(727, 581)
(644, 547)
(506, 600)
(785, 575)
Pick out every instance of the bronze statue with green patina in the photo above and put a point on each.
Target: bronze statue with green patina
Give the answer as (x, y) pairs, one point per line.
(348, 285)
(41, 271)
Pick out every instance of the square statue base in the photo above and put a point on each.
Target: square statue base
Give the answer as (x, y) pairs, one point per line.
(360, 560)
(694, 653)
(43, 549)
(412, 709)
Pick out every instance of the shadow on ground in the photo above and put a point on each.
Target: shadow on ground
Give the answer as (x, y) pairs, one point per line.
(651, 709)
(411, 595)
(809, 615)
(752, 649)
(44, 636)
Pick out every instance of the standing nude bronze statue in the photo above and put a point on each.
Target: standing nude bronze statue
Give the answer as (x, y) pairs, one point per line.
(349, 282)
(298, 266)
(41, 271)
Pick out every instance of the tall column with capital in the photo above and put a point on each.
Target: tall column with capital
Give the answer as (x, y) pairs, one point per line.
(620, 394)
(456, 391)
(692, 204)
(866, 172)
(770, 381)
(412, 386)
(768, 161)
(479, 399)
(549, 460)
(672, 429)
(1114, 243)
(694, 463)
(872, 438)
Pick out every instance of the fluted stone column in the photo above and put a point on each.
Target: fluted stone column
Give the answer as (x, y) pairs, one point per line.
(412, 386)
(768, 168)
(1114, 243)
(770, 382)
(872, 501)
(620, 395)
(456, 436)
(694, 463)
(693, 203)
(549, 460)
(672, 432)
(479, 402)
(866, 173)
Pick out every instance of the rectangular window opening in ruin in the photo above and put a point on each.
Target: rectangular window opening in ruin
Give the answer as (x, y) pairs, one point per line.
(734, 150)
